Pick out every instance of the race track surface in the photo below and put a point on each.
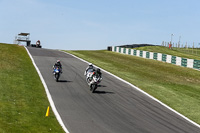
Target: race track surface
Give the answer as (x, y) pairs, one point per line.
(115, 108)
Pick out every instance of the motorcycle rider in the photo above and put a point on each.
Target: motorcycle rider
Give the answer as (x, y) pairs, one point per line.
(58, 64)
(38, 43)
(98, 73)
(89, 67)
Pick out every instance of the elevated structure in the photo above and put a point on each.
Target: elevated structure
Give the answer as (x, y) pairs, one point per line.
(23, 37)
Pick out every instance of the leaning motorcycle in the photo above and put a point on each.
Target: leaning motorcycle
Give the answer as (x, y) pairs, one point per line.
(92, 81)
(56, 73)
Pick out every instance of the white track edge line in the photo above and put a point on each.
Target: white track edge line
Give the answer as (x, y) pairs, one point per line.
(48, 94)
(135, 87)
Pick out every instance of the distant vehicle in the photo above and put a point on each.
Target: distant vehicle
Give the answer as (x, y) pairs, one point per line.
(38, 44)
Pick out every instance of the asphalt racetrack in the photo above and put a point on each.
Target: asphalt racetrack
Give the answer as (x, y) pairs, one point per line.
(115, 107)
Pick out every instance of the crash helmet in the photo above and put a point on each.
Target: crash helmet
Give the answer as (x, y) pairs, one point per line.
(58, 61)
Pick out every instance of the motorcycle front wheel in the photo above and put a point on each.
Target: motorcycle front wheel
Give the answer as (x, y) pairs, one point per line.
(93, 87)
(57, 77)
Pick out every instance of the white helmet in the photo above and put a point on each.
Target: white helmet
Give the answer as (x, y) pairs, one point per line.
(90, 64)
(58, 61)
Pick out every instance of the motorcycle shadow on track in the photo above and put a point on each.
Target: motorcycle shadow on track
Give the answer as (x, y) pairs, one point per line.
(63, 81)
(101, 86)
(103, 92)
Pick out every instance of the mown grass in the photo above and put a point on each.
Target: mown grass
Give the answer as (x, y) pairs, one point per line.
(176, 86)
(181, 52)
(23, 101)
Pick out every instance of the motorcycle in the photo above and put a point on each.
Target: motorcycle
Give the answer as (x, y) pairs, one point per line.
(92, 81)
(56, 73)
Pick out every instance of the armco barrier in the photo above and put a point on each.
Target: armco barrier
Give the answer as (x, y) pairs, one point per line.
(164, 57)
(184, 62)
(159, 57)
(135, 52)
(155, 56)
(151, 55)
(147, 55)
(144, 54)
(129, 51)
(173, 60)
(141, 53)
(196, 64)
(169, 59)
(178, 61)
(190, 63)
(115, 49)
(124, 50)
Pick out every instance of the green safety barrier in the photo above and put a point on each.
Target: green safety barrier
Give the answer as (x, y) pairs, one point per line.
(147, 54)
(141, 53)
(184, 62)
(196, 64)
(173, 60)
(124, 51)
(155, 56)
(129, 51)
(164, 57)
(135, 52)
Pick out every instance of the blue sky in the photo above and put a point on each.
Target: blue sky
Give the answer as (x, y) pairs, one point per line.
(96, 24)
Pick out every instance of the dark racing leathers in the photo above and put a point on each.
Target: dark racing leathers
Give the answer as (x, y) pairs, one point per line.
(58, 64)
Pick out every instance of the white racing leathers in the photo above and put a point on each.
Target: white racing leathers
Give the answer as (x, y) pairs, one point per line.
(92, 79)
(91, 68)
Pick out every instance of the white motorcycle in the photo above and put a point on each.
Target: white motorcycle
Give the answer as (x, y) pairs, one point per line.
(92, 80)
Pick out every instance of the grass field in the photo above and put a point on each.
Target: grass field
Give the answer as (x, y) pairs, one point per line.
(181, 52)
(175, 86)
(23, 101)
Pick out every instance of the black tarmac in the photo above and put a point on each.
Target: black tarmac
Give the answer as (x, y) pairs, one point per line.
(115, 107)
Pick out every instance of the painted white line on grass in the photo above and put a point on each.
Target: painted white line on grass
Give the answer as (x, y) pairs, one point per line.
(48, 94)
(140, 91)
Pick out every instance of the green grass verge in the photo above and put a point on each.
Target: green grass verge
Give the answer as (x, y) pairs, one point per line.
(181, 52)
(23, 101)
(178, 87)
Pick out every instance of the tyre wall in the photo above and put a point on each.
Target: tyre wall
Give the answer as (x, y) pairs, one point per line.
(184, 62)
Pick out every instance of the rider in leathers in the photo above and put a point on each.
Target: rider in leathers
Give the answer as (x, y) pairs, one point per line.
(58, 64)
(89, 67)
(96, 72)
